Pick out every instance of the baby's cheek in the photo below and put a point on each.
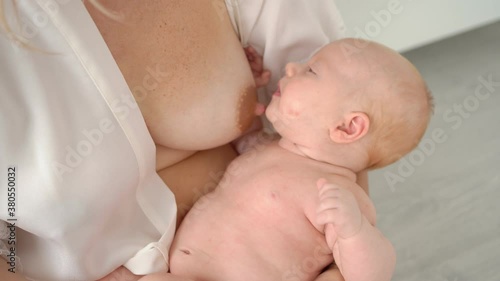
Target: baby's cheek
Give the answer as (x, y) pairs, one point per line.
(292, 109)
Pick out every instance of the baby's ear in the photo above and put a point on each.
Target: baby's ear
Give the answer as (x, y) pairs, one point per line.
(354, 126)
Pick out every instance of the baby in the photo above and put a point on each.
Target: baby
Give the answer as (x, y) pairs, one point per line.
(287, 210)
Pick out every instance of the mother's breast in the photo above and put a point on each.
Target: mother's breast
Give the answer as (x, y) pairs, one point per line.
(186, 69)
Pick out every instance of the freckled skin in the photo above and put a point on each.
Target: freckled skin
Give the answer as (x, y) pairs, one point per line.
(204, 97)
(246, 108)
(191, 105)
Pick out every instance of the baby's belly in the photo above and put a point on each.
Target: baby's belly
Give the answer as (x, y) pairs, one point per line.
(222, 239)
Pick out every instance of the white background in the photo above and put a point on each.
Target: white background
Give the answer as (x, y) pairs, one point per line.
(419, 22)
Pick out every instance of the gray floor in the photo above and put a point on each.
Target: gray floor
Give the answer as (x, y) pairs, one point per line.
(440, 206)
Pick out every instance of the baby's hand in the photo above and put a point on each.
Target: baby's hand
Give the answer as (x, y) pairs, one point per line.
(260, 75)
(338, 207)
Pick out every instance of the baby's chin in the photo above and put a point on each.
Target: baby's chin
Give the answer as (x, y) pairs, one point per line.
(273, 117)
(271, 111)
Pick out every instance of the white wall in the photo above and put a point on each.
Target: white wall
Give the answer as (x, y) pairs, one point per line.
(407, 24)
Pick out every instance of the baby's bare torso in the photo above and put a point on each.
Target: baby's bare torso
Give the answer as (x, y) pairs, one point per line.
(258, 223)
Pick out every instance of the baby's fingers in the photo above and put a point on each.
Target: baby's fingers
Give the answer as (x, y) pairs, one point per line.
(254, 59)
(328, 190)
(251, 53)
(328, 208)
(330, 202)
(327, 216)
(262, 79)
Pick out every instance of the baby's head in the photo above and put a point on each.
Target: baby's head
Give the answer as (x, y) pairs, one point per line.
(370, 99)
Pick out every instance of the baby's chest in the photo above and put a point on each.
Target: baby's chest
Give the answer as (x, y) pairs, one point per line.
(275, 192)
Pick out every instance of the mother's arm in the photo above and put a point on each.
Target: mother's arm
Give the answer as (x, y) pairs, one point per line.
(331, 274)
(164, 277)
(121, 274)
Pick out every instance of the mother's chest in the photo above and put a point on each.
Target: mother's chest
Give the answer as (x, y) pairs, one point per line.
(186, 69)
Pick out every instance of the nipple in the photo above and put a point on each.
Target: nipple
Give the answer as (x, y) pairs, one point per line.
(259, 109)
(247, 108)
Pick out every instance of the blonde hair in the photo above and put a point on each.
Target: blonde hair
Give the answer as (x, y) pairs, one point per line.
(393, 95)
(6, 28)
(396, 131)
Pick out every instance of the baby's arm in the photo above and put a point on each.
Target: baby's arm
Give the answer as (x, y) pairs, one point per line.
(360, 250)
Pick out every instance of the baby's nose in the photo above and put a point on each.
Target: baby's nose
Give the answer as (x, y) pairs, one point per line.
(291, 69)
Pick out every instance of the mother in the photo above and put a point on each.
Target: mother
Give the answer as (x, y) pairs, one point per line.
(205, 94)
(100, 204)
